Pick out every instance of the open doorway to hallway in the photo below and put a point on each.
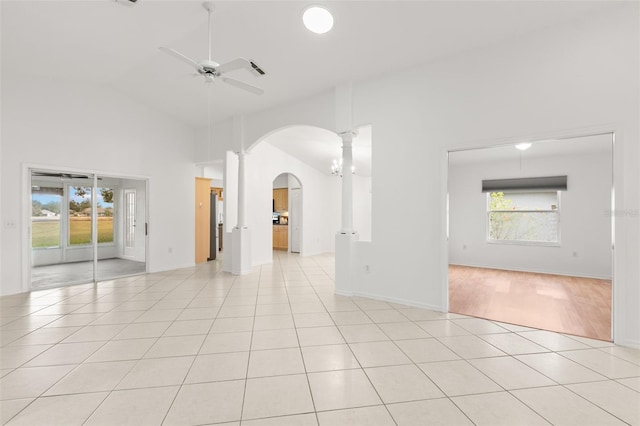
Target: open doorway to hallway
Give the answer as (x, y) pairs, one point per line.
(85, 227)
(210, 206)
(530, 234)
(287, 213)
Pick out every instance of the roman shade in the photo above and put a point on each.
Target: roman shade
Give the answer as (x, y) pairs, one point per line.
(548, 183)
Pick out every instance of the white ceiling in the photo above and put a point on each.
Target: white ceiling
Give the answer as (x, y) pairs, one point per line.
(600, 144)
(102, 42)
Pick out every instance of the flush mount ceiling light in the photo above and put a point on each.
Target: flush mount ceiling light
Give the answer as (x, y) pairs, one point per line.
(317, 19)
(523, 146)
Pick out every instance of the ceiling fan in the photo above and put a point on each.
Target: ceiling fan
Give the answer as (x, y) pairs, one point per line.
(212, 70)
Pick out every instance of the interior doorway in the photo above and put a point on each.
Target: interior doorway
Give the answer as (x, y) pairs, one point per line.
(287, 213)
(529, 251)
(84, 227)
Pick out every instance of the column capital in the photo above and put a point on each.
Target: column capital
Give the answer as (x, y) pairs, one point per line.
(348, 135)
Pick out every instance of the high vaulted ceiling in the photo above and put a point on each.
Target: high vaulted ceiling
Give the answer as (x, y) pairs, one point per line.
(102, 42)
(601, 144)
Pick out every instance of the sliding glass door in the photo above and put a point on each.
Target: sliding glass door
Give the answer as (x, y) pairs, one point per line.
(79, 228)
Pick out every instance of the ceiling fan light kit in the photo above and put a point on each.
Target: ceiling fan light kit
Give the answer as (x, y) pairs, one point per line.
(212, 70)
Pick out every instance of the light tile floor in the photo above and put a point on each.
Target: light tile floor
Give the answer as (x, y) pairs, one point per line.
(277, 347)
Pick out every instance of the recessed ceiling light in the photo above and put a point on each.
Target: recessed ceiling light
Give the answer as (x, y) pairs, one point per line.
(523, 146)
(317, 19)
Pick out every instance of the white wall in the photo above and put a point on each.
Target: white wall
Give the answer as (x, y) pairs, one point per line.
(293, 183)
(282, 181)
(585, 228)
(362, 208)
(561, 81)
(60, 125)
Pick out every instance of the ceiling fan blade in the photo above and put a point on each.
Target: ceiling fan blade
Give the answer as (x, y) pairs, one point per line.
(242, 85)
(240, 63)
(181, 57)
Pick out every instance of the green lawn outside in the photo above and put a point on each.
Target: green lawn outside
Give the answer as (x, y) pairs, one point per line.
(47, 234)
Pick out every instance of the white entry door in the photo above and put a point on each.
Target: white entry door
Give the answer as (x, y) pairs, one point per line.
(295, 219)
(129, 223)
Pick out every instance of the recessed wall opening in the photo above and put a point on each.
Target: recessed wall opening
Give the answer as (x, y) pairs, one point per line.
(85, 227)
(530, 234)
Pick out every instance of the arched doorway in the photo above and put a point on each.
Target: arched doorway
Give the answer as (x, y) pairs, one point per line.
(287, 213)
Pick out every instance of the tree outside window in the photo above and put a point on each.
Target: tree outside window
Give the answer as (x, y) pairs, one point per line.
(530, 217)
(80, 215)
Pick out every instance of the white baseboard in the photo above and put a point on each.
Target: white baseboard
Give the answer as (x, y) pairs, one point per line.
(538, 271)
(397, 300)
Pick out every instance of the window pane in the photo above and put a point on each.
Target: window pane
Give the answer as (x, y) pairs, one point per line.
(45, 217)
(523, 201)
(105, 215)
(79, 215)
(524, 226)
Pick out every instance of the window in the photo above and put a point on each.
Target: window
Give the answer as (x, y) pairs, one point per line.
(523, 217)
(45, 216)
(80, 215)
(105, 215)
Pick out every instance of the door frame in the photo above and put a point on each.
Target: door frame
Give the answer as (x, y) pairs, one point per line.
(296, 220)
(125, 231)
(617, 262)
(25, 189)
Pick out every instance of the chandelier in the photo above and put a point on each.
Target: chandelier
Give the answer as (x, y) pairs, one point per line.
(336, 168)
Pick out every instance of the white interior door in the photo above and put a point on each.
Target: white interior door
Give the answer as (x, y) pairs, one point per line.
(295, 219)
(130, 222)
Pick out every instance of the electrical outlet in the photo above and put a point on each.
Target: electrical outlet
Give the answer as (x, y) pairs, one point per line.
(10, 224)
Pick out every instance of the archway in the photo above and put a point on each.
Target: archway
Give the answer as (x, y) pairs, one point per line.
(307, 152)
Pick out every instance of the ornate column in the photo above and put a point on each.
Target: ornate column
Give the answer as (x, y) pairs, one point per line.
(241, 234)
(241, 191)
(347, 183)
(346, 237)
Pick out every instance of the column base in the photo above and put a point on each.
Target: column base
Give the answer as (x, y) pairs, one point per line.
(344, 263)
(240, 251)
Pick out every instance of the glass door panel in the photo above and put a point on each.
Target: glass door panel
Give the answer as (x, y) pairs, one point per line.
(129, 222)
(85, 229)
(61, 229)
(121, 218)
